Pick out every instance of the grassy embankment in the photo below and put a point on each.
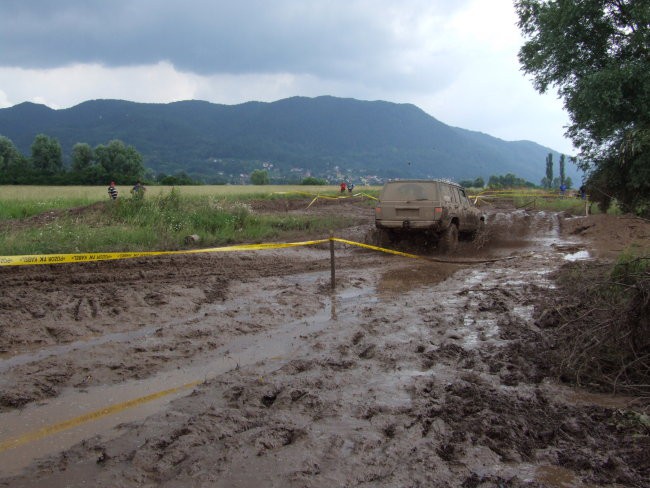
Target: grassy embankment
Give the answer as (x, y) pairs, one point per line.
(572, 205)
(82, 219)
(535, 199)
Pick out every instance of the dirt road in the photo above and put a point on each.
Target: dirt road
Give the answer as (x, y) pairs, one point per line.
(251, 372)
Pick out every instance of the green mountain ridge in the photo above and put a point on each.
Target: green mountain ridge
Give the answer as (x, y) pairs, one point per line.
(323, 136)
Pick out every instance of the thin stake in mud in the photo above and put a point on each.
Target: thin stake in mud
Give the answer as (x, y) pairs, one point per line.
(333, 269)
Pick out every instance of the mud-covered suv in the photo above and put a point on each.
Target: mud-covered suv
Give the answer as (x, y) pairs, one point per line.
(436, 209)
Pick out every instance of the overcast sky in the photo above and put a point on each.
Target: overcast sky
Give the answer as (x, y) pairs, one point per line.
(455, 59)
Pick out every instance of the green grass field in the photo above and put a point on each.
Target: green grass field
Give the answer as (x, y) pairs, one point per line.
(87, 221)
(98, 193)
(17, 201)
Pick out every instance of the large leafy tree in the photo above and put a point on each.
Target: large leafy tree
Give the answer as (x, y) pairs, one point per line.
(120, 162)
(47, 156)
(82, 156)
(8, 153)
(14, 167)
(85, 169)
(260, 177)
(596, 53)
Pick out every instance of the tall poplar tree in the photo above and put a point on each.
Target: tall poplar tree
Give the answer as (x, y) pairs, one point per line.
(549, 170)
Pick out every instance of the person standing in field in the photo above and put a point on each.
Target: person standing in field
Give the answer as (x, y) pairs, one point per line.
(343, 185)
(583, 192)
(138, 190)
(112, 191)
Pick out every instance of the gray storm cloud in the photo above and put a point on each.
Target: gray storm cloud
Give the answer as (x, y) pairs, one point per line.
(327, 39)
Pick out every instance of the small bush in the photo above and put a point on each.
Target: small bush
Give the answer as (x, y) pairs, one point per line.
(310, 180)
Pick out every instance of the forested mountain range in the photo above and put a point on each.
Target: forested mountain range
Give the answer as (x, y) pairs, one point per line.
(325, 137)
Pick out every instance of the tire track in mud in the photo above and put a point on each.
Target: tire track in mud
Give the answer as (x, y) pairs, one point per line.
(153, 333)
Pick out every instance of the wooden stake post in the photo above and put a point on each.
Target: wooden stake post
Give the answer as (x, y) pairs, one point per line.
(333, 277)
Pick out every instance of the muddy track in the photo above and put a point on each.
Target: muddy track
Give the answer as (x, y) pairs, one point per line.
(180, 307)
(411, 373)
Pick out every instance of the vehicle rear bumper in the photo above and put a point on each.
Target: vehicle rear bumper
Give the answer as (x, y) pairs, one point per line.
(405, 225)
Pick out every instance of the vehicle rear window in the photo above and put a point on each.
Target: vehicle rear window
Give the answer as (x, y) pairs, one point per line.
(410, 191)
(450, 193)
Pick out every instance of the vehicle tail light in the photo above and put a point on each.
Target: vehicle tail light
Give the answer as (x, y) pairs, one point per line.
(437, 213)
(377, 211)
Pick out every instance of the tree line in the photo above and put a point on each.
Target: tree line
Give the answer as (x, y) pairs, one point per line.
(114, 161)
(510, 180)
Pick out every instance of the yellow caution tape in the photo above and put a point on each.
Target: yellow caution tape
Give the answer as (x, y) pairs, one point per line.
(486, 194)
(91, 257)
(68, 424)
(325, 197)
(310, 203)
(376, 248)
(365, 195)
(34, 259)
(427, 258)
(293, 193)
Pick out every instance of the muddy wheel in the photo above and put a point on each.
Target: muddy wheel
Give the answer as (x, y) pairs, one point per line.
(449, 240)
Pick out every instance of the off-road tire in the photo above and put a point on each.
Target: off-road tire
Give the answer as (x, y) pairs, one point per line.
(448, 242)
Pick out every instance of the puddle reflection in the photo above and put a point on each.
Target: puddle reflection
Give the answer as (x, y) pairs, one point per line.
(577, 256)
(405, 279)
